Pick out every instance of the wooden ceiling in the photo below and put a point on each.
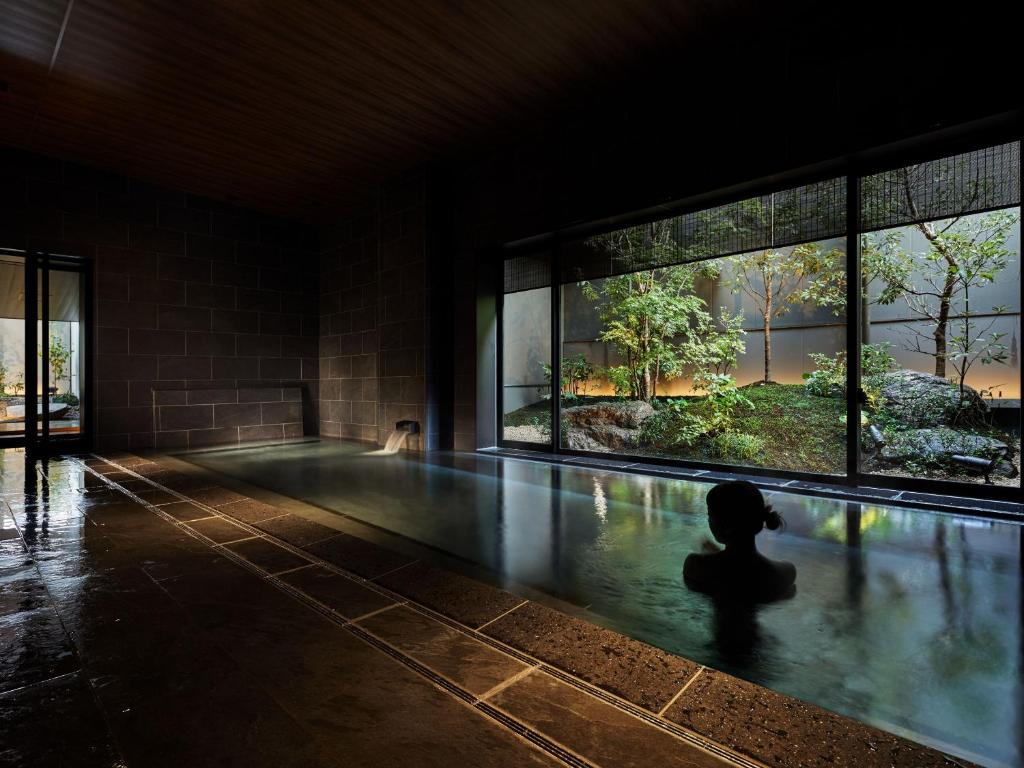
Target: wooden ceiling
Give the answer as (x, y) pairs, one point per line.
(298, 106)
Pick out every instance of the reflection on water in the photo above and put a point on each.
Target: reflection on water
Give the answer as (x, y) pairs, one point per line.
(739, 639)
(905, 619)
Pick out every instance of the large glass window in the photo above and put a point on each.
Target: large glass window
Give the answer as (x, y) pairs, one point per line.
(702, 353)
(526, 350)
(719, 336)
(940, 319)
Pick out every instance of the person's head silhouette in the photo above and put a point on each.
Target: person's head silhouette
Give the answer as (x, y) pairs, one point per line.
(737, 512)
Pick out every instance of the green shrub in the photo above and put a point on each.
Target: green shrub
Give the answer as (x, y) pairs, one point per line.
(737, 445)
(875, 362)
(723, 398)
(672, 424)
(575, 375)
(829, 380)
(68, 398)
(620, 379)
(681, 422)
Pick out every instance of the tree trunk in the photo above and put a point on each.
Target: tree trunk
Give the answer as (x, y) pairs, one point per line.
(645, 345)
(865, 311)
(942, 322)
(939, 334)
(768, 338)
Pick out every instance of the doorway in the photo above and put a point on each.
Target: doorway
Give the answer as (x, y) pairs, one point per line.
(45, 351)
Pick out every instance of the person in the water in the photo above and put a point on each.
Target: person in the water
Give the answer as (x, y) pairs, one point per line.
(736, 514)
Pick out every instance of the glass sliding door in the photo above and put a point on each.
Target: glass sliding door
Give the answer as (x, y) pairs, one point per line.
(64, 340)
(525, 371)
(12, 348)
(44, 359)
(940, 319)
(717, 336)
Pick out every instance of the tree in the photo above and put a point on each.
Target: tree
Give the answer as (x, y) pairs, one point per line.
(649, 315)
(776, 279)
(576, 373)
(59, 356)
(715, 345)
(963, 253)
(644, 315)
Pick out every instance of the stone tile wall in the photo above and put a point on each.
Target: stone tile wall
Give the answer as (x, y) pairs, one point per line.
(191, 293)
(374, 319)
(194, 418)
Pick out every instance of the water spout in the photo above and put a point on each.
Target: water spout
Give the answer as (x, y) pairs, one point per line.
(395, 441)
(397, 438)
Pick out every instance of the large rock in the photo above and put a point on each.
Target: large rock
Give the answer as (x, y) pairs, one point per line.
(630, 414)
(601, 437)
(918, 399)
(937, 445)
(610, 426)
(17, 412)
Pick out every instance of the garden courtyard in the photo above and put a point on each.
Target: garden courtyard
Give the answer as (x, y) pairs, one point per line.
(742, 360)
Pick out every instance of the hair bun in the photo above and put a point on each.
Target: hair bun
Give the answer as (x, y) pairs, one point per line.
(772, 519)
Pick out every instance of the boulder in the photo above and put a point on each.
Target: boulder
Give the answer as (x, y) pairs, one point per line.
(1006, 468)
(610, 426)
(17, 412)
(606, 437)
(918, 399)
(936, 445)
(625, 413)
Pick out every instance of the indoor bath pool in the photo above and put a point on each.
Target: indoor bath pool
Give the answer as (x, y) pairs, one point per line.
(905, 619)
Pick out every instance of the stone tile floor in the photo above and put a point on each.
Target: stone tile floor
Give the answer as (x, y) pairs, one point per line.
(149, 617)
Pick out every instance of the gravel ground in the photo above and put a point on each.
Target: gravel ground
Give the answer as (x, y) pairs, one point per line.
(527, 434)
(969, 479)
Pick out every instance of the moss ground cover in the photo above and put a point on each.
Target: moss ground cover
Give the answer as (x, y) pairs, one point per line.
(784, 427)
(799, 431)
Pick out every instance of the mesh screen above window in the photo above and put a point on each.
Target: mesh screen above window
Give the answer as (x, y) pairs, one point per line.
(945, 188)
(524, 273)
(789, 217)
(971, 182)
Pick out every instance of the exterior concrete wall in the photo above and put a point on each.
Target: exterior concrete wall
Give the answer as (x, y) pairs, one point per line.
(526, 335)
(803, 330)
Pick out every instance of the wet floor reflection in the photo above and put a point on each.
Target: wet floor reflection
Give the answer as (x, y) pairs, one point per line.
(48, 711)
(905, 619)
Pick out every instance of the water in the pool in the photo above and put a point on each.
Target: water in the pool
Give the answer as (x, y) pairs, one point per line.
(905, 619)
